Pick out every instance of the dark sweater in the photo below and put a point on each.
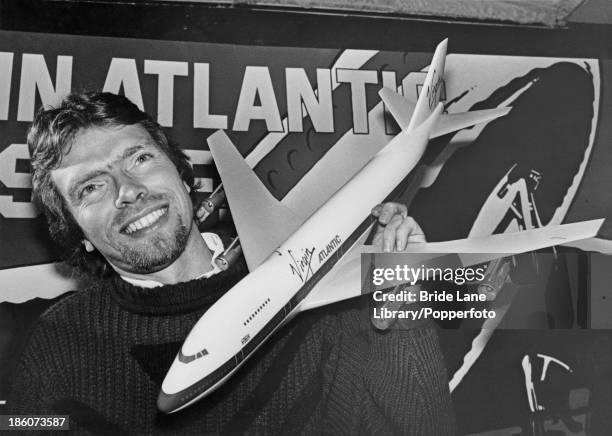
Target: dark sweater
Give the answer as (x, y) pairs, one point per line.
(101, 354)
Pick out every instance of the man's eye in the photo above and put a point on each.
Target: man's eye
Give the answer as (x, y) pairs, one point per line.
(144, 157)
(87, 190)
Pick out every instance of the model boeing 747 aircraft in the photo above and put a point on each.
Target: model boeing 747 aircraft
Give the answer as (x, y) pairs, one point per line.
(300, 262)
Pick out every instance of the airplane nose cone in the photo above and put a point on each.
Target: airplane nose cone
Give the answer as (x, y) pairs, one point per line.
(168, 403)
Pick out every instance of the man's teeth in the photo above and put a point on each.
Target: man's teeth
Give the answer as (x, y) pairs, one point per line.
(146, 221)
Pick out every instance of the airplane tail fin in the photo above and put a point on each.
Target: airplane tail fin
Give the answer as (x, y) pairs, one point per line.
(429, 97)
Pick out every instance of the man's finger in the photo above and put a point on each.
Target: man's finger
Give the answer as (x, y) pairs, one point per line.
(376, 210)
(390, 231)
(201, 213)
(390, 210)
(408, 232)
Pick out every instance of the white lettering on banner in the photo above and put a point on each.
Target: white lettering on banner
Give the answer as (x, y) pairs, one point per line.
(257, 82)
(358, 80)
(201, 157)
(302, 100)
(201, 100)
(389, 80)
(123, 72)
(35, 76)
(256, 100)
(13, 179)
(6, 76)
(166, 71)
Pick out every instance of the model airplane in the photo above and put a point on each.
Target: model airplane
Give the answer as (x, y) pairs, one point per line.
(295, 260)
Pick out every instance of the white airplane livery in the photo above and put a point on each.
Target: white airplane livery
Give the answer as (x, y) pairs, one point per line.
(292, 259)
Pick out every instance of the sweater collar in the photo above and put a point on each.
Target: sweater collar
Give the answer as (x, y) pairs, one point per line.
(176, 298)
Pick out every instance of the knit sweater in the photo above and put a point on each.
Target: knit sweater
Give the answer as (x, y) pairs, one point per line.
(101, 354)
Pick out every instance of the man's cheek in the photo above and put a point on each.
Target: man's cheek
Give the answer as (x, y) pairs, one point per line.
(94, 222)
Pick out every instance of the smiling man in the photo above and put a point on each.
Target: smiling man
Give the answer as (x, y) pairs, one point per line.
(116, 195)
(131, 204)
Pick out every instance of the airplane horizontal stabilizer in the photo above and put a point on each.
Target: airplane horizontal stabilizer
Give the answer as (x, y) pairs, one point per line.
(400, 107)
(262, 222)
(448, 123)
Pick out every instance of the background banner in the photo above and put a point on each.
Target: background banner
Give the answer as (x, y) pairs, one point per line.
(286, 109)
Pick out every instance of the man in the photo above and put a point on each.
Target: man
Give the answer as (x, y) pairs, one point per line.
(116, 196)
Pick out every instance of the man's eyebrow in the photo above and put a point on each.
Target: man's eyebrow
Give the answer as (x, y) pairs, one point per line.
(130, 151)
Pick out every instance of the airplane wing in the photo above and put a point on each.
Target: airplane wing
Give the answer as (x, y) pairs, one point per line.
(262, 222)
(344, 280)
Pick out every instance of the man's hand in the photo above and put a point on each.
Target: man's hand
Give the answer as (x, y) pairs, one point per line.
(395, 228)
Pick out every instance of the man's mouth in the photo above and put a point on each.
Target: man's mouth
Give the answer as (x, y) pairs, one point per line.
(146, 221)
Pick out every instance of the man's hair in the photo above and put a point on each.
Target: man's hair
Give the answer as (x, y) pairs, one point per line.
(50, 138)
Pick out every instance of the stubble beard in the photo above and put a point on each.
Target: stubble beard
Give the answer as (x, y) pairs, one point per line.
(158, 253)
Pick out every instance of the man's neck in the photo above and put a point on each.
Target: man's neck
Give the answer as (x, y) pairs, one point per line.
(193, 262)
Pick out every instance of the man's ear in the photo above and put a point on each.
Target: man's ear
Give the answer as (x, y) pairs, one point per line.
(88, 246)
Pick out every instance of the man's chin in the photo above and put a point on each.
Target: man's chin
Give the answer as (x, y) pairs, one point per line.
(152, 256)
(148, 264)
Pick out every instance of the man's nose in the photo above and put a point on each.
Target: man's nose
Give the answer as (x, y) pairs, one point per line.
(129, 190)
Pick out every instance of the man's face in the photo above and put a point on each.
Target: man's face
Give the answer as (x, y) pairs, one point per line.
(127, 197)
